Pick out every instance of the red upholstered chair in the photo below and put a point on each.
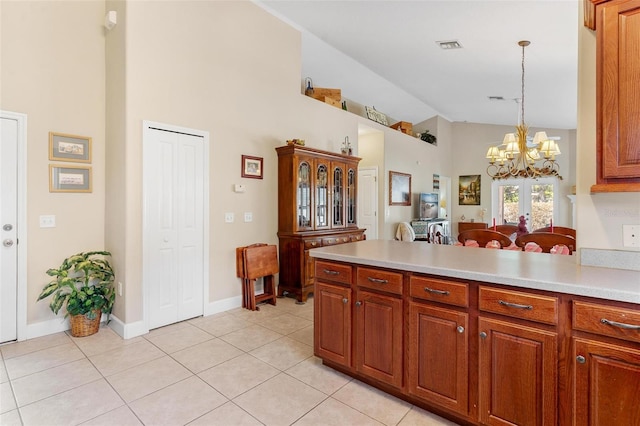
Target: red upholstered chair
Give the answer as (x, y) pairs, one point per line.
(483, 236)
(546, 240)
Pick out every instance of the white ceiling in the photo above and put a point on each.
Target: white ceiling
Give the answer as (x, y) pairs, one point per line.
(396, 40)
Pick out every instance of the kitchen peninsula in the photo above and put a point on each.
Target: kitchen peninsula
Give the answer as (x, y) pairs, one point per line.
(482, 336)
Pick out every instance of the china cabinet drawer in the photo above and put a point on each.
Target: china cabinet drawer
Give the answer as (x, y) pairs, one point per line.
(357, 237)
(309, 244)
(516, 304)
(607, 320)
(439, 291)
(390, 282)
(334, 272)
(330, 241)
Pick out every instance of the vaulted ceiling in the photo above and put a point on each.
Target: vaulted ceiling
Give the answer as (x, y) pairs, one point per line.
(397, 41)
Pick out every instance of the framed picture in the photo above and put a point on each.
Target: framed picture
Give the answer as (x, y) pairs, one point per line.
(251, 167)
(69, 148)
(399, 189)
(469, 190)
(69, 178)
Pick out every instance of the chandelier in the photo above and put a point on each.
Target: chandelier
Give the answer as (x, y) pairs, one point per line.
(515, 158)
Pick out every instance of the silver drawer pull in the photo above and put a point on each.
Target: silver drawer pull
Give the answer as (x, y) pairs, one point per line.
(377, 280)
(432, 290)
(515, 305)
(330, 272)
(620, 324)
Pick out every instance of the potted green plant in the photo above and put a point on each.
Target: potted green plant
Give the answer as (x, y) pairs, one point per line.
(84, 283)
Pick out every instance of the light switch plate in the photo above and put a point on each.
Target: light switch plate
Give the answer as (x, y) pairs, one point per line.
(248, 216)
(228, 217)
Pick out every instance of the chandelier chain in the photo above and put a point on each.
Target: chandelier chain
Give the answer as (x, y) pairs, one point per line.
(522, 86)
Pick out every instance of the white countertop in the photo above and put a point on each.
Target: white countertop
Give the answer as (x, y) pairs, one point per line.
(515, 268)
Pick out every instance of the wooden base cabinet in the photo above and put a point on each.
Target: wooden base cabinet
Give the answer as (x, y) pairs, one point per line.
(438, 356)
(607, 384)
(332, 312)
(517, 374)
(378, 330)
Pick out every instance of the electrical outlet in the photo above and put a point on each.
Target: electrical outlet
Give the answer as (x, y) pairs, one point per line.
(228, 217)
(631, 235)
(248, 216)
(47, 221)
(119, 288)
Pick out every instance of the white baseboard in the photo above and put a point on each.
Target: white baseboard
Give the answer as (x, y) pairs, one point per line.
(128, 330)
(124, 330)
(222, 305)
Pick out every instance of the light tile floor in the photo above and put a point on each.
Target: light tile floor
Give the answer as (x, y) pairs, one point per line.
(235, 368)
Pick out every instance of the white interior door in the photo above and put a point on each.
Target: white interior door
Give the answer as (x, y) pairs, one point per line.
(368, 201)
(8, 229)
(174, 194)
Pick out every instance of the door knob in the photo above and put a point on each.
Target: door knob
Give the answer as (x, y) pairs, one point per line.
(7, 227)
(7, 243)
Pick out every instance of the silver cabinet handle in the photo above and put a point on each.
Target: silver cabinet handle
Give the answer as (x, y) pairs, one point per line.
(460, 329)
(330, 272)
(620, 324)
(431, 290)
(515, 305)
(581, 359)
(358, 303)
(483, 335)
(345, 300)
(377, 280)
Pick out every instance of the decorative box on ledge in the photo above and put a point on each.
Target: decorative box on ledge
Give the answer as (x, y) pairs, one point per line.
(329, 96)
(404, 126)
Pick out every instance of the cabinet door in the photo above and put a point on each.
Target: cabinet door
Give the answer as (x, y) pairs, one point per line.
(607, 384)
(379, 337)
(619, 91)
(518, 374)
(304, 195)
(352, 196)
(332, 340)
(322, 194)
(338, 193)
(438, 356)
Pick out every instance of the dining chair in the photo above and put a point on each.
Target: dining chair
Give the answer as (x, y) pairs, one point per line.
(547, 240)
(483, 236)
(558, 230)
(507, 230)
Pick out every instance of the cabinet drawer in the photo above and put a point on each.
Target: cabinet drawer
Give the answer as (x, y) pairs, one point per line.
(330, 241)
(519, 305)
(440, 291)
(356, 237)
(607, 320)
(390, 282)
(333, 272)
(309, 244)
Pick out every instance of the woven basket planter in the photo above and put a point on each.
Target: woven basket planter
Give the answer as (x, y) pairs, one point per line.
(82, 326)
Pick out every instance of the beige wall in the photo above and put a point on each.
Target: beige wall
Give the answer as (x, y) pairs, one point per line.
(53, 70)
(471, 143)
(600, 216)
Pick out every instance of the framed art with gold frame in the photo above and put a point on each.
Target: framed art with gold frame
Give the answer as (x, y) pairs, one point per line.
(69, 178)
(399, 189)
(64, 147)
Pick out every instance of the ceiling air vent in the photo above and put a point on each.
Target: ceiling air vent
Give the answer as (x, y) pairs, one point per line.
(449, 44)
(496, 98)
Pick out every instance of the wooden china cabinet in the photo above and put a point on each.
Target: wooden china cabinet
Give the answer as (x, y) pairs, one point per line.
(317, 194)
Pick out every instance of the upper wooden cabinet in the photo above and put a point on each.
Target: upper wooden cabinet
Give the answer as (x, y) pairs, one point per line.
(617, 93)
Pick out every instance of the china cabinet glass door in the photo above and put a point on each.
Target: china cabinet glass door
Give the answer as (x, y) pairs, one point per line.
(338, 196)
(304, 195)
(322, 196)
(351, 197)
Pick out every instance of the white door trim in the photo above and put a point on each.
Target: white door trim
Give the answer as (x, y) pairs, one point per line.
(21, 309)
(147, 127)
(373, 169)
